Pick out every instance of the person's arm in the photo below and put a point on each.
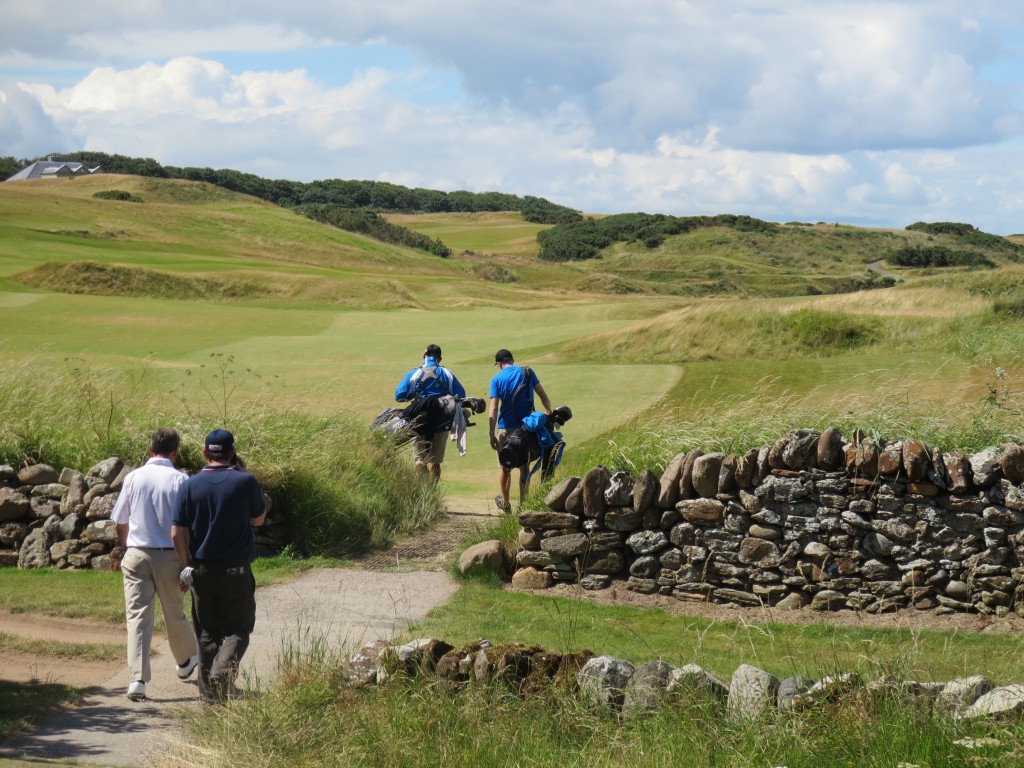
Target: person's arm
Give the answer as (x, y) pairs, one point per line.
(121, 515)
(457, 389)
(543, 397)
(404, 391)
(258, 505)
(180, 539)
(492, 422)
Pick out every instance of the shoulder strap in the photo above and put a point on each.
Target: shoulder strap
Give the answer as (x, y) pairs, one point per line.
(527, 382)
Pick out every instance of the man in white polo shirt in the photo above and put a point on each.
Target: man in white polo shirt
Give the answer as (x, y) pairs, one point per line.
(151, 569)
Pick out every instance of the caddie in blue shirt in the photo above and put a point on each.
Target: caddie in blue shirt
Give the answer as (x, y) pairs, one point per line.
(431, 379)
(512, 389)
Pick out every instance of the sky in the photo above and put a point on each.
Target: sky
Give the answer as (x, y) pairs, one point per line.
(865, 113)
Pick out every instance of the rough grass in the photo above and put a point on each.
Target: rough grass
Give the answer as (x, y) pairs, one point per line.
(62, 650)
(314, 724)
(342, 488)
(890, 408)
(311, 717)
(504, 232)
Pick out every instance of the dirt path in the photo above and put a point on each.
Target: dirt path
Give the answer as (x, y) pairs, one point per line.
(347, 607)
(24, 667)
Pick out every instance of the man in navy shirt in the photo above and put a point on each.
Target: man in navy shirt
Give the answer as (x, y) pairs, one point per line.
(431, 380)
(212, 534)
(512, 389)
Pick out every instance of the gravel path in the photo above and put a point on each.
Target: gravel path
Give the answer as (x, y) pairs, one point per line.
(347, 607)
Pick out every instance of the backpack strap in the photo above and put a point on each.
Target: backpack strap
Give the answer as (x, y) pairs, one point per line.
(527, 382)
(422, 375)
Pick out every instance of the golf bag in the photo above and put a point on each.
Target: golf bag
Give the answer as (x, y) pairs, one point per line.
(424, 417)
(536, 441)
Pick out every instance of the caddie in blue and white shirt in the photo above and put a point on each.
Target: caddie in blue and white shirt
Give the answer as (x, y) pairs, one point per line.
(428, 380)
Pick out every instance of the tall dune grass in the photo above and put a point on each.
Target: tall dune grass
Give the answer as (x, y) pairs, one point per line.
(736, 423)
(343, 488)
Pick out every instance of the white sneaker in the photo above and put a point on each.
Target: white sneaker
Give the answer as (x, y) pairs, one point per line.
(137, 691)
(185, 670)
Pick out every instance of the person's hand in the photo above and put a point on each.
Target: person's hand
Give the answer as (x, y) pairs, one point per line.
(494, 442)
(185, 580)
(116, 555)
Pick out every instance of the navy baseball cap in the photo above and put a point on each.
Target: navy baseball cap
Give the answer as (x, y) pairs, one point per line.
(220, 441)
(503, 356)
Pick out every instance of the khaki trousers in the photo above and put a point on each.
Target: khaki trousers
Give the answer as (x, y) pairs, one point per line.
(148, 574)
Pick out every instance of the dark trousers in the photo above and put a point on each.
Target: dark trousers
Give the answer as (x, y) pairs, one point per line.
(224, 615)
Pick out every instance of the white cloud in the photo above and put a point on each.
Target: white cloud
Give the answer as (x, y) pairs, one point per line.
(25, 127)
(812, 109)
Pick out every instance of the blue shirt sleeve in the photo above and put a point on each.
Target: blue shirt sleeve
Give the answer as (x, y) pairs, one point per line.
(457, 389)
(404, 391)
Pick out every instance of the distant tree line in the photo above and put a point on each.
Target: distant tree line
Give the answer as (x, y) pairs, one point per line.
(10, 166)
(325, 199)
(921, 256)
(584, 239)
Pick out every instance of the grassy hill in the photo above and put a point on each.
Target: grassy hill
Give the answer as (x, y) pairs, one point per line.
(790, 260)
(195, 283)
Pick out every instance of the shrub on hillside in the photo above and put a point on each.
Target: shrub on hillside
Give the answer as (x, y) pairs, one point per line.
(537, 210)
(585, 239)
(366, 222)
(494, 273)
(969, 235)
(117, 194)
(922, 256)
(572, 242)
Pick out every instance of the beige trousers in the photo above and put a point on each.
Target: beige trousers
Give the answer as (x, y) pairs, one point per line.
(148, 574)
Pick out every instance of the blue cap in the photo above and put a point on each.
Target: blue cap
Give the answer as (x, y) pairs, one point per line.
(220, 441)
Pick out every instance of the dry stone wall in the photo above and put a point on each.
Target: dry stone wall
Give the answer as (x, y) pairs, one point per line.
(619, 686)
(813, 520)
(53, 518)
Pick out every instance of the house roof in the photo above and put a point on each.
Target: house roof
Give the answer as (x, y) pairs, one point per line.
(43, 169)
